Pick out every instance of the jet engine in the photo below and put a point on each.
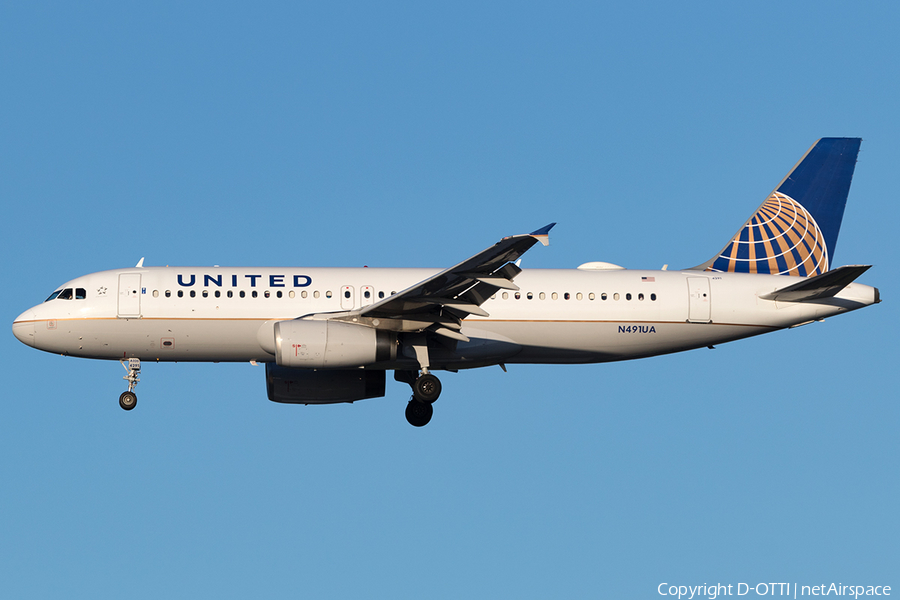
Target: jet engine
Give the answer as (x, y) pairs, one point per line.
(309, 344)
(301, 386)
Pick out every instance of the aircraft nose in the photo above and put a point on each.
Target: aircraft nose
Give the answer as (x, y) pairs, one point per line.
(23, 328)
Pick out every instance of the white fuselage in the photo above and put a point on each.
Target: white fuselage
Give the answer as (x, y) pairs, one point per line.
(558, 316)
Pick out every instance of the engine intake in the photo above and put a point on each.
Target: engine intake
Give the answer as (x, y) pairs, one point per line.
(311, 344)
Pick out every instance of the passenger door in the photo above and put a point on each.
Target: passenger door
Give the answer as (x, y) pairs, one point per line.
(129, 306)
(699, 309)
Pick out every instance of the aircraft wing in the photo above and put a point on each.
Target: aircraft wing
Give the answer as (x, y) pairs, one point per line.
(443, 300)
(825, 285)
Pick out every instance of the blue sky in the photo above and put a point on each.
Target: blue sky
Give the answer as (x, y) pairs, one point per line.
(411, 134)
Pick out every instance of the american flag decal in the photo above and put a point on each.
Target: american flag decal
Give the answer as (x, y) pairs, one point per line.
(650, 279)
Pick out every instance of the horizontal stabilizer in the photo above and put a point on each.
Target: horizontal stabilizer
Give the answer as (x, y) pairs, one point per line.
(825, 285)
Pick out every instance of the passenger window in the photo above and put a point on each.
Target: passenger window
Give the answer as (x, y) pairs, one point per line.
(242, 294)
(653, 297)
(616, 296)
(591, 296)
(380, 295)
(518, 295)
(347, 294)
(266, 293)
(328, 294)
(193, 294)
(181, 293)
(156, 293)
(290, 293)
(554, 295)
(230, 294)
(529, 295)
(543, 296)
(603, 296)
(316, 294)
(628, 296)
(205, 293)
(66, 294)
(253, 294)
(168, 293)
(81, 293)
(218, 294)
(278, 294)
(303, 294)
(506, 295)
(566, 296)
(579, 296)
(367, 294)
(640, 296)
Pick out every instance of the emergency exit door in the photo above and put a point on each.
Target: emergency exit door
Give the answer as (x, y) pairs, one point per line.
(347, 297)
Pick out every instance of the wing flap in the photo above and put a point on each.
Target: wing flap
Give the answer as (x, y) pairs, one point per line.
(449, 333)
(498, 282)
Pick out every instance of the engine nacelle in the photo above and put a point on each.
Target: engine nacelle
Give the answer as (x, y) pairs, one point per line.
(331, 345)
(299, 386)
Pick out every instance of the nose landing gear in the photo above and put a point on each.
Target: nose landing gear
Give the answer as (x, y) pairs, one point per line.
(128, 400)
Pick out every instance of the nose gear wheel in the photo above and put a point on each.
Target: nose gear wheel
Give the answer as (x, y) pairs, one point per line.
(128, 400)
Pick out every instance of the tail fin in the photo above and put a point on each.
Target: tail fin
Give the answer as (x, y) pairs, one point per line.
(795, 230)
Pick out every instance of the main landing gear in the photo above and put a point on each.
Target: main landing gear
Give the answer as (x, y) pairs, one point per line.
(418, 413)
(128, 400)
(426, 388)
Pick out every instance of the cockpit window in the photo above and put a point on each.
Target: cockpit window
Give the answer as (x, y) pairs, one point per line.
(68, 294)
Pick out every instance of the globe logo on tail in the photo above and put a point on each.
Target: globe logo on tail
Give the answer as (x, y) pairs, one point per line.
(781, 238)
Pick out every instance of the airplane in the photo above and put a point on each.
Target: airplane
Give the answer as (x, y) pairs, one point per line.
(329, 335)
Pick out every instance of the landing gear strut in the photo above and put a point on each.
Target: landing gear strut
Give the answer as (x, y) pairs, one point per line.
(128, 400)
(425, 387)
